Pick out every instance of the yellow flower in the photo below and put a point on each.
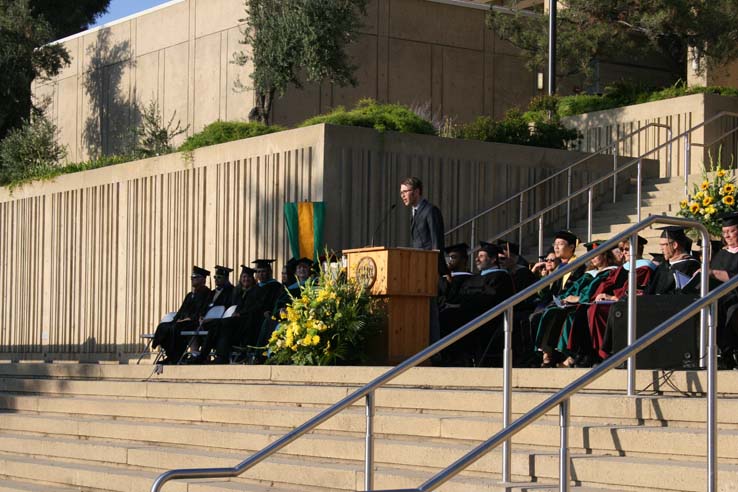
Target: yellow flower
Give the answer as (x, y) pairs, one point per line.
(307, 340)
(316, 339)
(683, 204)
(705, 184)
(729, 188)
(721, 173)
(694, 207)
(728, 200)
(698, 196)
(706, 201)
(711, 210)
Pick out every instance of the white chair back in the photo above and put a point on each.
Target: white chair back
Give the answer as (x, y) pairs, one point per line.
(169, 317)
(215, 312)
(229, 312)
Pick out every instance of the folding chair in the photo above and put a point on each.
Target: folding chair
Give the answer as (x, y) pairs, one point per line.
(167, 318)
(214, 312)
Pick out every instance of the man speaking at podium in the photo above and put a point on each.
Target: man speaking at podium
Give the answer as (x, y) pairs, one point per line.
(426, 232)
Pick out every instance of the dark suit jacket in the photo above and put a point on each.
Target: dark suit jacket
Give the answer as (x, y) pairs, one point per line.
(426, 231)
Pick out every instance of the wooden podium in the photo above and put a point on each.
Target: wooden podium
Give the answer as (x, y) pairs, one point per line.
(407, 279)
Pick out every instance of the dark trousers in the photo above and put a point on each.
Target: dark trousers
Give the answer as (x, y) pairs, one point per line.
(168, 337)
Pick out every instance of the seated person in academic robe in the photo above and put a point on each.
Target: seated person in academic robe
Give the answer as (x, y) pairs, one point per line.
(565, 242)
(588, 334)
(723, 267)
(523, 277)
(556, 322)
(288, 272)
(268, 293)
(193, 308)
(224, 333)
(457, 260)
(477, 295)
(679, 265)
(545, 265)
(220, 296)
(303, 270)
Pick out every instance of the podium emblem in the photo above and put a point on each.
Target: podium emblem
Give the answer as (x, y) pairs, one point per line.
(366, 272)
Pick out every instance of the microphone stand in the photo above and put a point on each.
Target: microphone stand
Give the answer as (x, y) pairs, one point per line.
(385, 217)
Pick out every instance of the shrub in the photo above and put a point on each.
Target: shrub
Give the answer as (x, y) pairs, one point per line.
(28, 149)
(152, 136)
(533, 128)
(382, 117)
(226, 131)
(625, 94)
(49, 172)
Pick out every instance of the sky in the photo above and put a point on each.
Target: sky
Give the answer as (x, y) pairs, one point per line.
(123, 8)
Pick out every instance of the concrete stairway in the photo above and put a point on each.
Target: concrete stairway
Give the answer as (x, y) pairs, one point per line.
(109, 427)
(660, 196)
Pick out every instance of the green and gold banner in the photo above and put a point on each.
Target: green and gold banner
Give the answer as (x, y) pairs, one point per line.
(305, 228)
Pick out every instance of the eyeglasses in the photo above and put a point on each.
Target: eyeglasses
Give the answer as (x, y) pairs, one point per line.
(405, 192)
(547, 260)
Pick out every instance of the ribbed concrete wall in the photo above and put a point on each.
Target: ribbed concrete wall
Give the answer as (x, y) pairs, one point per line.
(91, 260)
(601, 128)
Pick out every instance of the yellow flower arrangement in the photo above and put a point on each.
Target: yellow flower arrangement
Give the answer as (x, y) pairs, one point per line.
(712, 198)
(330, 321)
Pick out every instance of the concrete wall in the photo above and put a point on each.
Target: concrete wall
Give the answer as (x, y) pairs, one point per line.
(89, 261)
(602, 128)
(436, 55)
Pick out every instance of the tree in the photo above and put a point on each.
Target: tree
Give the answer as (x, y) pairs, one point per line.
(588, 30)
(292, 40)
(27, 27)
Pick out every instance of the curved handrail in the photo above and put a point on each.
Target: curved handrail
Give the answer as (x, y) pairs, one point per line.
(368, 389)
(610, 175)
(555, 175)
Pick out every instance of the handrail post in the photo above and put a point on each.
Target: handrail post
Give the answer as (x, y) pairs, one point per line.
(540, 235)
(520, 229)
(473, 242)
(568, 202)
(507, 395)
(687, 163)
(369, 443)
(704, 289)
(711, 402)
(632, 323)
(668, 152)
(590, 212)
(564, 460)
(639, 187)
(615, 177)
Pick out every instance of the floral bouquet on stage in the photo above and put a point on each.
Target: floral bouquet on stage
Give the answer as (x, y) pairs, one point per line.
(330, 322)
(711, 199)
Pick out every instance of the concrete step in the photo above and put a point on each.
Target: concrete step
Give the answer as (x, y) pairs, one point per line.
(70, 378)
(8, 485)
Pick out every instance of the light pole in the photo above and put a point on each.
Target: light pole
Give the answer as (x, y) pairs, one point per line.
(551, 47)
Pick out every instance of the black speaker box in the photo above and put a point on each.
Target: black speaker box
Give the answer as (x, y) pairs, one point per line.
(676, 350)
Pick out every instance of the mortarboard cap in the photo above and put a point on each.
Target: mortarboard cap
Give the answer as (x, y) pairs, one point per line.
(462, 248)
(199, 272)
(730, 219)
(591, 245)
(489, 248)
(674, 233)
(504, 245)
(304, 261)
(658, 257)
(222, 271)
(247, 270)
(567, 236)
(263, 263)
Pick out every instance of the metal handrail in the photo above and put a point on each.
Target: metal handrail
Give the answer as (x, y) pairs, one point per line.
(506, 308)
(589, 187)
(562, 397)
(519, 195)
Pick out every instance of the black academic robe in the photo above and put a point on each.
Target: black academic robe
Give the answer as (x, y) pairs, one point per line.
(167, 335)
(268, 294)
(476, 295)
(727, 325)
(221, 296)
(663, 282)
(238, 330)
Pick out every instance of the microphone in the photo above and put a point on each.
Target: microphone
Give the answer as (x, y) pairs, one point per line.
(383, 221)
